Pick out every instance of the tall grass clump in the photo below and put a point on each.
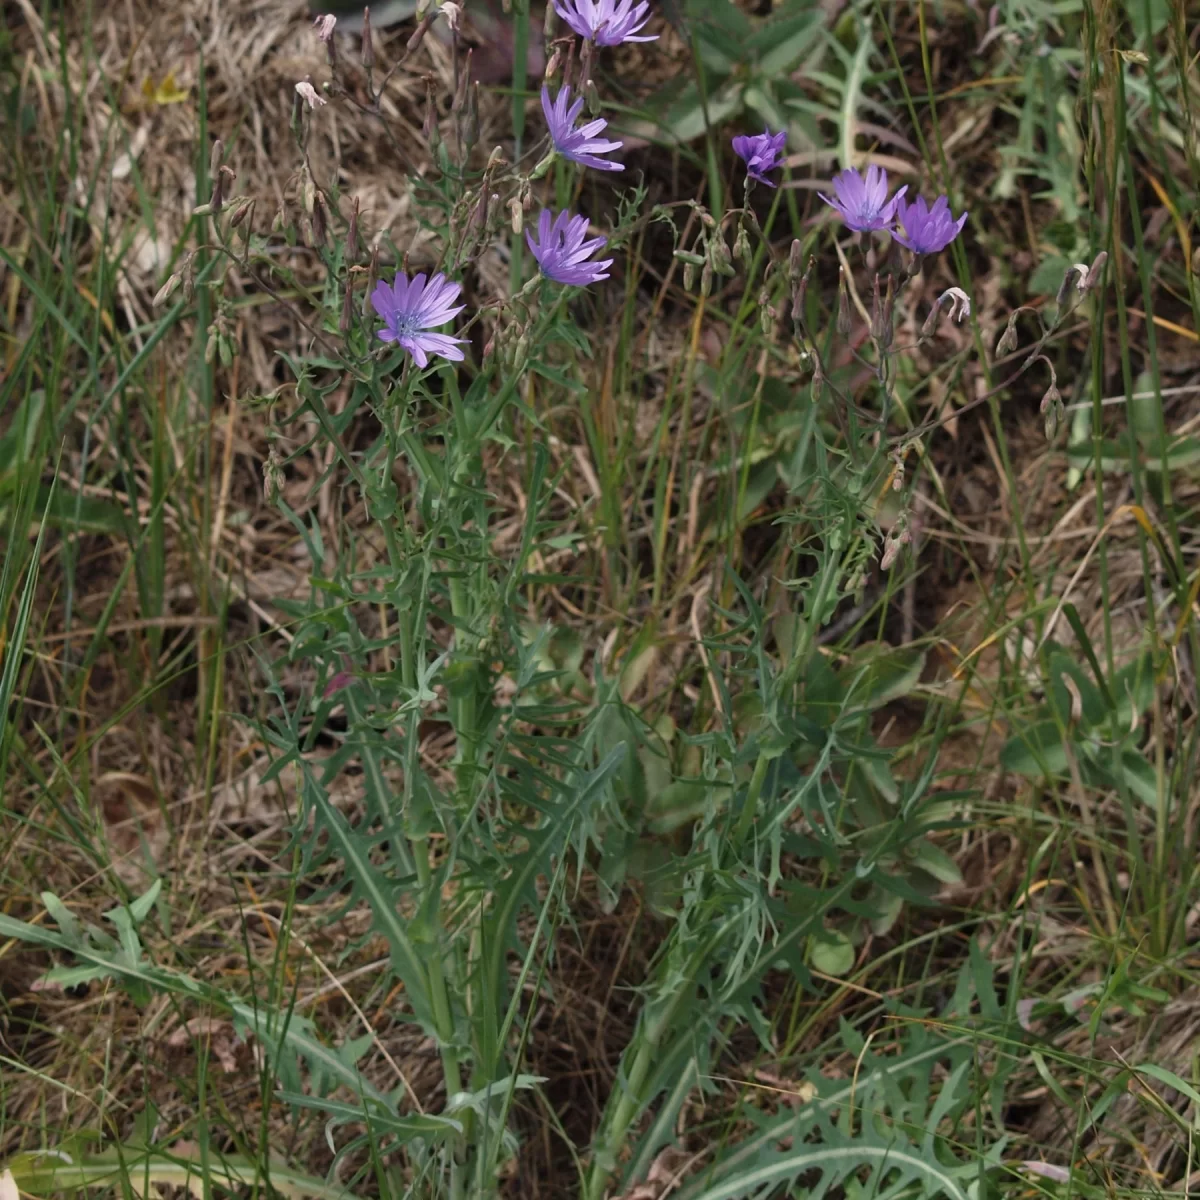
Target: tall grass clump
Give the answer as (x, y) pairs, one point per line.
(473, 781)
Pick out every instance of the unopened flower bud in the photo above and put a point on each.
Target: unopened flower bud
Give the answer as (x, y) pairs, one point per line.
(843, 313)
(352, 246)
(891, 550)
(706, 279)
(429, 127)
(479, 214)
(372, 279)
(516, 215)
(464, 84)
(273, 476)
(520, 353)
(689, 276)
(320, 227)
(881, 312)
(347, 317)
(368, 47)
(555, 64)
(423, 25)
(471, 122)
(214, 158)
(241, 209)
(593, 98)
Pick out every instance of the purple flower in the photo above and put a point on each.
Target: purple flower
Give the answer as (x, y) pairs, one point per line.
(410, 309)
(761, 153)
(579, 145)
(606, 22)
(864, 203)
(562, 253)
(926, 230)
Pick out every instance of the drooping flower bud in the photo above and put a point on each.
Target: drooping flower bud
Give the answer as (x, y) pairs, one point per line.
(1095, 271)
(165, 292)
(767, 320)
(741, 248)
(719, 256)
(1008, 339)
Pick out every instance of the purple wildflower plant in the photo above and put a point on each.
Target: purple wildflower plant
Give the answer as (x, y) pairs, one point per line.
(761, 153)
(926, 230)
(562, 251)
(580, 145)
(606, 22)
(410, 309)
(863, 202)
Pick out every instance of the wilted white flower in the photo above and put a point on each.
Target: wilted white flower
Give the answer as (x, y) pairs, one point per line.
(309, 94)
(324, 26)
(959, 302)
(453, 14)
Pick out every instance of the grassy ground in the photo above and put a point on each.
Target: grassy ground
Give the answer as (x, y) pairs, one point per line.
(527, 780)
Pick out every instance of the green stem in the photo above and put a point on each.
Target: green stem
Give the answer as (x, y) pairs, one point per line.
(750, 805)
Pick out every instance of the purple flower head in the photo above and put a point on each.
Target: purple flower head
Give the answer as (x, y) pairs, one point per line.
(864, 203)
(579, 145)
(926, 230)
(761, 153)
(606, 22)
(409, 309)
(562, 252)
